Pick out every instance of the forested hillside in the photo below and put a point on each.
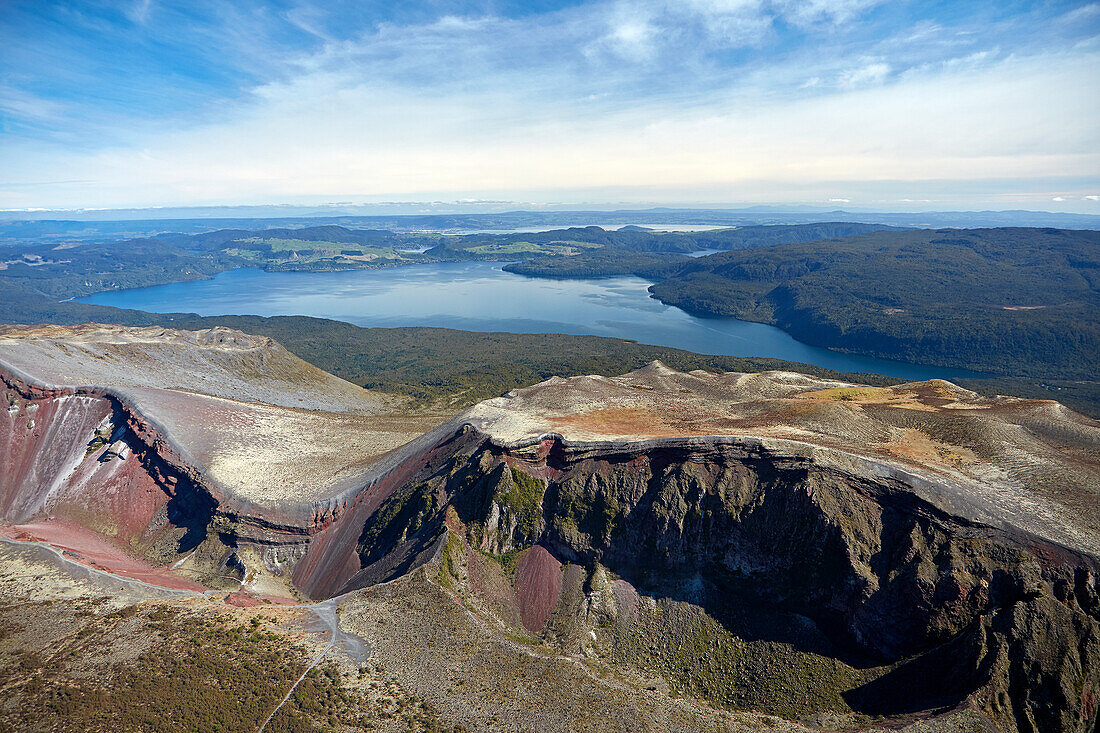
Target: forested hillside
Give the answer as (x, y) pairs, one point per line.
(1009, 301)
(636, 251)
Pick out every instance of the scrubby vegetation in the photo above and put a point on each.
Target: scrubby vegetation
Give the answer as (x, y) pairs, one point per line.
(701, 657)
(202, 674)
(400, 516)
(450, 563)
(194, 671)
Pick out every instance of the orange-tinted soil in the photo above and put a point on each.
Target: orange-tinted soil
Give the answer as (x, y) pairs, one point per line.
(85, 546)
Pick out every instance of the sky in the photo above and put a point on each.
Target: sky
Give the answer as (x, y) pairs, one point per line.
(850, 103)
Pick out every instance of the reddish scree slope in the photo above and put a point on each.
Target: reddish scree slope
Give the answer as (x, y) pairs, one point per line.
(91, 500)
(538, 585)
(44, 449)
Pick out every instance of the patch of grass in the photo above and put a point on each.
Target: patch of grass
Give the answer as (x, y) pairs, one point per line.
(524, 500)
(849, 394)
(509, 560)
(450, 566)
(525, 639)
(701, 657)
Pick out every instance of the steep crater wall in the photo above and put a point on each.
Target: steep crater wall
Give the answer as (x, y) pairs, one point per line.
(956, 610)
(80, 457)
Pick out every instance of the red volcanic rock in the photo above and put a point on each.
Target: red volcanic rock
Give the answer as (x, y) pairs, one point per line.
(538, 584)
(51, 467)
(85, 546)
(41, 440)
(242, 600)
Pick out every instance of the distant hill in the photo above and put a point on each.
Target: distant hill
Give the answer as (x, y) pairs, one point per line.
(1023, 301)
(68, 270)
(1020, 304)
(23, 227)
(633, 251)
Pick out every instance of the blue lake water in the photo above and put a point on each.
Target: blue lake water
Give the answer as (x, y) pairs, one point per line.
(480, 296)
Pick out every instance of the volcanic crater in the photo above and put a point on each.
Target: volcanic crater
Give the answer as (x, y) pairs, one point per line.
(830, 553)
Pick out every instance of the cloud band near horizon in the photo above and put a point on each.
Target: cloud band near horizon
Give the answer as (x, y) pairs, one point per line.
(956, 105)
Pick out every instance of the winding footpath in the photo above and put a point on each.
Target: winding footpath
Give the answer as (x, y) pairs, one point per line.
(316, 660)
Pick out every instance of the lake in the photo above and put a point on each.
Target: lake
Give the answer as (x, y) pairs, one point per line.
(480, 296)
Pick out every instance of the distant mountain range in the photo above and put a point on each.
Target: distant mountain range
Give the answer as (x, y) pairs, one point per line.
(102, 225)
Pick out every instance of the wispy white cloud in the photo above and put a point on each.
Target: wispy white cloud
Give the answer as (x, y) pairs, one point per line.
(865, 75)
(139, 11)
(1085, 14)
(971, 60)
(702, 94)
(630, 36)
(16, 102)
(808, 12)
(310, 20)
(733, 23)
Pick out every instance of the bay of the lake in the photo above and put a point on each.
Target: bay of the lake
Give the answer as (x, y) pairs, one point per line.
(480, 296)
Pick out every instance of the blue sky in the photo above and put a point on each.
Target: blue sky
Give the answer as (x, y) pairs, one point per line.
(889, 105)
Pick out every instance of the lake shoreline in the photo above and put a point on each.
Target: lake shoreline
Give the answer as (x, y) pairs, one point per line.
(479, 296)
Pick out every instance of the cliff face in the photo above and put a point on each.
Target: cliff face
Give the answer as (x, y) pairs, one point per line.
(926, 610)
(162, 441)
(78, 459)
(42, 438)
(883, 579)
